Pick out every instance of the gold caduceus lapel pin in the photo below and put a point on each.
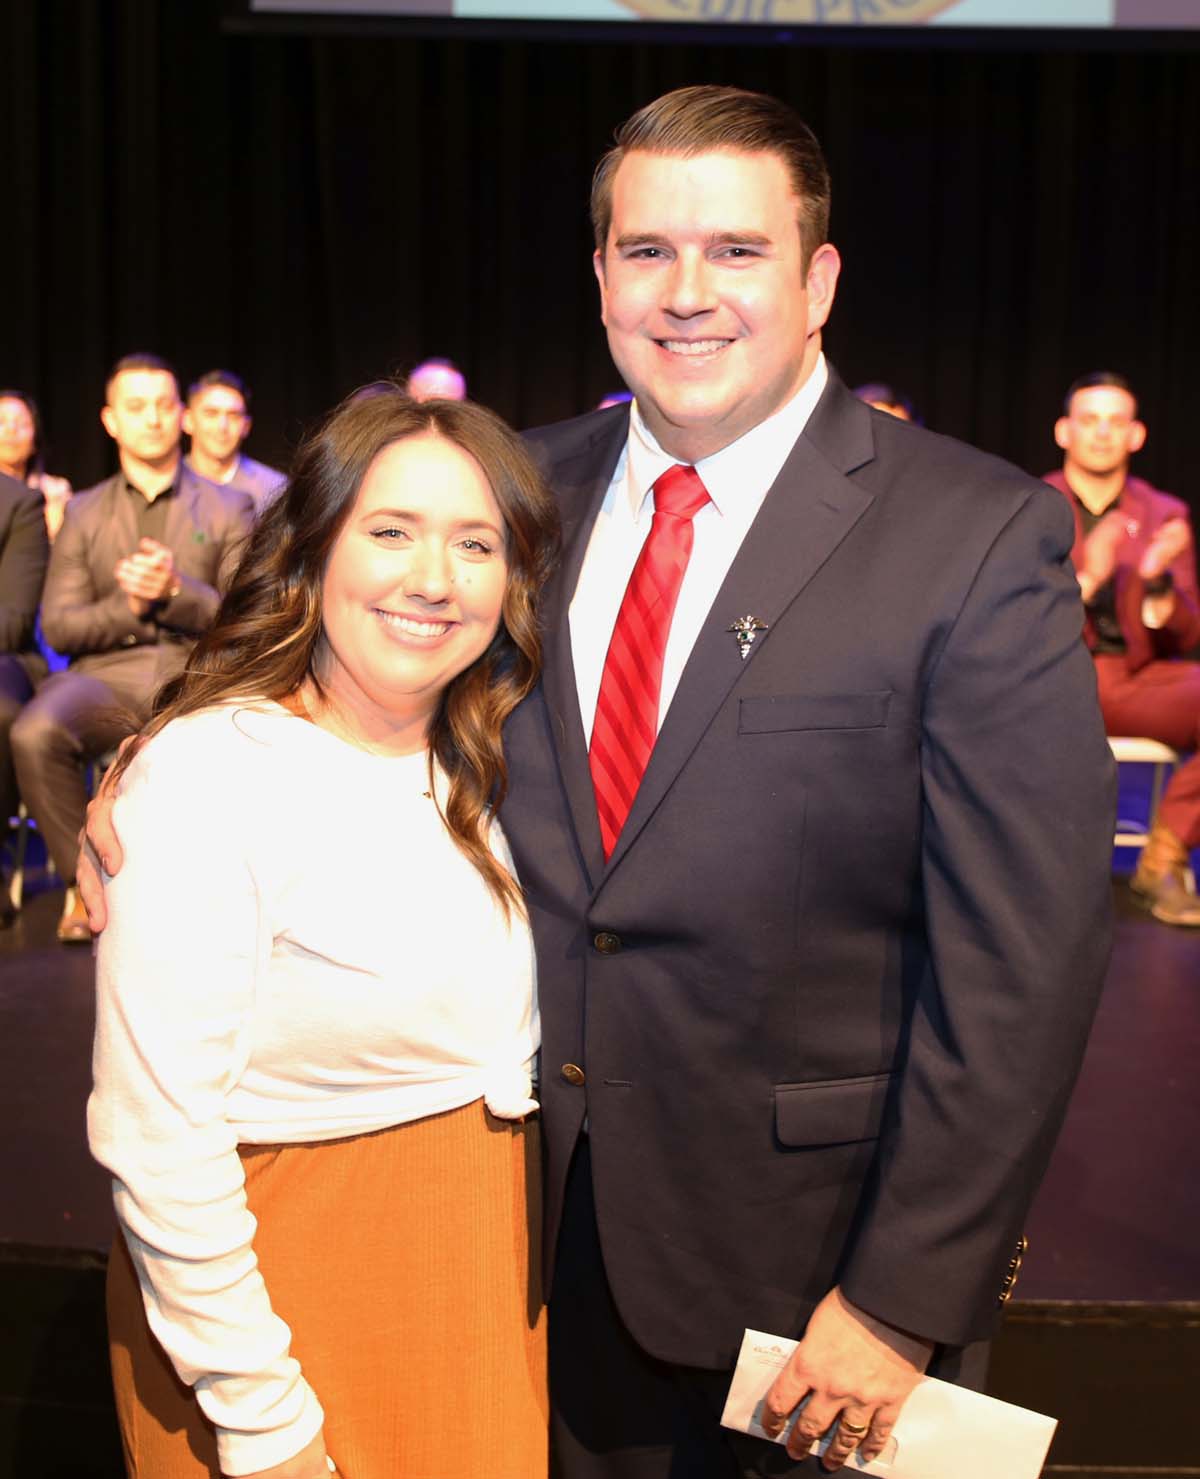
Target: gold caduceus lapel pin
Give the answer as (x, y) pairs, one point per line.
(745, 629)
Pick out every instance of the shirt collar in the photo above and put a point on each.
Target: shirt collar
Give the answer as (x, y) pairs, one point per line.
(171, 488)
(743, 469)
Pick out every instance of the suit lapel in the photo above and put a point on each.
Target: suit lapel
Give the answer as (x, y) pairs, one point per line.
(180, 516)
(580, 481)
(809, 510)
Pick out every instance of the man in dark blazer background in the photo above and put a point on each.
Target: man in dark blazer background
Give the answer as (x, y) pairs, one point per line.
(134, 578)
(24, 550)
(810, 1029)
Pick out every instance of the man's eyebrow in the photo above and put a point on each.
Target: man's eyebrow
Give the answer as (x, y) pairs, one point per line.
(739, 238)
(641, 238)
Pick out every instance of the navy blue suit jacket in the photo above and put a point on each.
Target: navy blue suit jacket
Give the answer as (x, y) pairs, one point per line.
(831, 991)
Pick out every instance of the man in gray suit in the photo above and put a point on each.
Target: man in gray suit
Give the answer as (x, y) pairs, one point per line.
(218, 420)
(133, 580)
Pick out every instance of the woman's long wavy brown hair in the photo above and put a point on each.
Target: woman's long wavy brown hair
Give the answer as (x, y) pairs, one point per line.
(265, 636)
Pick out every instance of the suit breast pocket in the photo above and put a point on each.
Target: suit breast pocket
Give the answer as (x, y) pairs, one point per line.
(780, 713)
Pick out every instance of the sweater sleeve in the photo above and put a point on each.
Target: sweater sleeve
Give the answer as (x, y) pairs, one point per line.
(176, 977)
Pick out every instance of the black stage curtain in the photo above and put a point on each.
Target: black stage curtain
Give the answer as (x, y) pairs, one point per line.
(317, 211)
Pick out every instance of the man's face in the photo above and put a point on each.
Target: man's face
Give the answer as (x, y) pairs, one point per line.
(1101, 431)
(144, 414)
(217, 421)
(712, 320)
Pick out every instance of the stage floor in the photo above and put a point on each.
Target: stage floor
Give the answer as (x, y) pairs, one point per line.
(1115, 1220)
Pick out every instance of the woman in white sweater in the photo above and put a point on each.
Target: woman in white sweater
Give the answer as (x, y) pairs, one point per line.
(316, 1020)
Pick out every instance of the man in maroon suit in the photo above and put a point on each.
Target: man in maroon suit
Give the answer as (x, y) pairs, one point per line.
(1136, 562)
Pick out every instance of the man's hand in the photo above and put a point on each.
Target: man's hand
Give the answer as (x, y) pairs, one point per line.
(1166, 544)
(1100, 550)
(99, 847)
(855, 1371)
(147, 575)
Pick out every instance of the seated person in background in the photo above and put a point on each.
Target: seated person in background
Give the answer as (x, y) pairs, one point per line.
(437, 380)
(1136, 564)
(218, 420)
(23, 552)
(887, 398)
(22, 454)
(133, 580)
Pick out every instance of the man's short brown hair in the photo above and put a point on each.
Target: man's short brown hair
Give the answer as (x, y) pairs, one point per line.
(707, 119)
(140, 360)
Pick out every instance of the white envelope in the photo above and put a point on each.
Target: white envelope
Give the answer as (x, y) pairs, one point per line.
(943, 1431)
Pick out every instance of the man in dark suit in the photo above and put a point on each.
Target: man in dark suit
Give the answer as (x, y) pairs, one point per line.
(815, 985)
(133, 580)
(24, 550)
(813, 812)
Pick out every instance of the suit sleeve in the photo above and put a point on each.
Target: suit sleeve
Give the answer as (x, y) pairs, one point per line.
(1181, 632)
(76, 618)
(22, 569)
(1018, 806)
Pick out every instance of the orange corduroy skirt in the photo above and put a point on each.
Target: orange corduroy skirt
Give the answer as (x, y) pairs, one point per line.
(406, 1264)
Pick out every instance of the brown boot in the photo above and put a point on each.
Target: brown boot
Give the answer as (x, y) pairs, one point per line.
(1161, 880)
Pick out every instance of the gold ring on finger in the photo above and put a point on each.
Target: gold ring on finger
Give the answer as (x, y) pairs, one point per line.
(853, 1430)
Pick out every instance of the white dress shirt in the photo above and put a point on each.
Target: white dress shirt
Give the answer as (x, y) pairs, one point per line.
(738, 478)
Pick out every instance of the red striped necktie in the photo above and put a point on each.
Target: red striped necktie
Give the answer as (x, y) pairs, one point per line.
(626, 721)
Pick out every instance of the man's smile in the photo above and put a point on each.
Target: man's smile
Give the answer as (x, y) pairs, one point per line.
(692, 348)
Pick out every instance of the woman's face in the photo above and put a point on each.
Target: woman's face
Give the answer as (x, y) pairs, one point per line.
(414, 585)
(16, 435)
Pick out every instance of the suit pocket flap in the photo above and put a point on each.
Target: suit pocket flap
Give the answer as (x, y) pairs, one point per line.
(813, 711)
(835, 1112)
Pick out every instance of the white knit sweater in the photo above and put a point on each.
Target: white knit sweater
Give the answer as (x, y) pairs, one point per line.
(296, 951)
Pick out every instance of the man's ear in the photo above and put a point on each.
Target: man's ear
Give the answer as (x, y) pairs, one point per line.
(1137, 436)
(1062, 432)
(188, 423)
(598, 269)
(108, 421)
(821, 282)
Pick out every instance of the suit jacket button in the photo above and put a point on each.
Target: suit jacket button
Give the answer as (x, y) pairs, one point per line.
(573, 1073)
(607, 943)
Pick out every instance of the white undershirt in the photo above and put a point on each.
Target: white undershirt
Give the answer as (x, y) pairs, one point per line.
(738, 478)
